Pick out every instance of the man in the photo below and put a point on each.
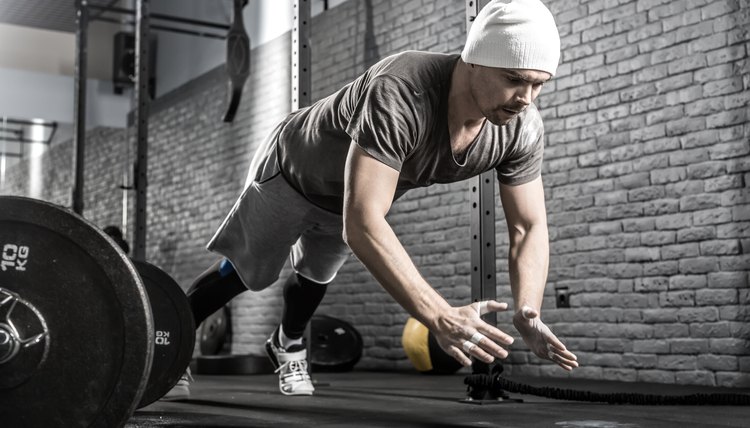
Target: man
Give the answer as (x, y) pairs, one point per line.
(326, 178)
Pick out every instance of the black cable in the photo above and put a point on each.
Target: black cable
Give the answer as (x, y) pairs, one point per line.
(496, 385)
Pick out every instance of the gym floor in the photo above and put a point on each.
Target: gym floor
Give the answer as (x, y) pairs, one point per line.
(404, 399)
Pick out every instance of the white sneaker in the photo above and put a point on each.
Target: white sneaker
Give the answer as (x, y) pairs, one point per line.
(291, 365)
(181, 390)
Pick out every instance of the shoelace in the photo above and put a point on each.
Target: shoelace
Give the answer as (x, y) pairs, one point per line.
(294, 369)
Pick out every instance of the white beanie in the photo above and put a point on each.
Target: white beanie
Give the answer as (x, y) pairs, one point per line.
(514, 34)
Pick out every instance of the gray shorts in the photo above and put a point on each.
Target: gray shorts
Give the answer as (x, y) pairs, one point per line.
(271, 221)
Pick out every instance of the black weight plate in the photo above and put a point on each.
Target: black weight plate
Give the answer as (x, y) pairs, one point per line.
(95, 308)
(174, 331)
(216, 332)
(335, 345)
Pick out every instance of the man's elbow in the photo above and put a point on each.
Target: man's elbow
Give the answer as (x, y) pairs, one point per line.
(346, 234)
(352, 229)
(518, 232)
(359, 227)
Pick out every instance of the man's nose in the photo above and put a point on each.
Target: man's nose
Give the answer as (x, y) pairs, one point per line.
(523, 95)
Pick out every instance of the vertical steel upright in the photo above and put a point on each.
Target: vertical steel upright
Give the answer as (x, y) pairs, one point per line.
(483, 282)
(79, 115)
(141, 122)
(301, 81)
(301, 58)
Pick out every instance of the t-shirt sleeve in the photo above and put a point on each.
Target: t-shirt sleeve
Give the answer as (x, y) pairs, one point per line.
(383, 122)
(524, 163)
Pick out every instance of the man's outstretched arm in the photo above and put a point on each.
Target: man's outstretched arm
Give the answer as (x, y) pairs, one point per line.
(526, 218)
(369, 189)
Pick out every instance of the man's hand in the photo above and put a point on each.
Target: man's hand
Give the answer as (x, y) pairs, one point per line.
(461, 331)
(541, 340)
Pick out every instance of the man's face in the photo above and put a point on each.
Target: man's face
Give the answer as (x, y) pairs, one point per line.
(501, 93)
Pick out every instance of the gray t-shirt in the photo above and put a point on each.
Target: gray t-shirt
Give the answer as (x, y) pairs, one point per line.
(397, 113)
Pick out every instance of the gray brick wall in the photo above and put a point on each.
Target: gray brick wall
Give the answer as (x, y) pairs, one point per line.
(646, 173)
(648, 145)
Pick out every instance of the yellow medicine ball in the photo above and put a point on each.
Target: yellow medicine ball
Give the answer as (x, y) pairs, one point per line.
(424, 352)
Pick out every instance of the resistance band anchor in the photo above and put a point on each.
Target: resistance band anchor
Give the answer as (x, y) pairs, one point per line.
(481, 388)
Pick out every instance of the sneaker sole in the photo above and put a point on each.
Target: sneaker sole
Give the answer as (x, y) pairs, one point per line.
(292, 394)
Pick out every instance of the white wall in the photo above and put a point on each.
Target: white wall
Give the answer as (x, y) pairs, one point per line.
(37, 95)
(37, 76)
(54, 52)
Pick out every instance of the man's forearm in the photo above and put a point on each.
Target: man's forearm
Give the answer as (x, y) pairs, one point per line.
(377, 247)
(528, 265)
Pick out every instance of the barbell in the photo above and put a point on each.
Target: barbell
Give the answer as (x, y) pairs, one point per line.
(87, 335)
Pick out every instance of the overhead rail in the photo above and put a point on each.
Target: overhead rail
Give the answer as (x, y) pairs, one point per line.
(161, 17)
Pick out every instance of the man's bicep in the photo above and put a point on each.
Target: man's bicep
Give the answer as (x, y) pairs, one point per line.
(524, 204)
(369, 184)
